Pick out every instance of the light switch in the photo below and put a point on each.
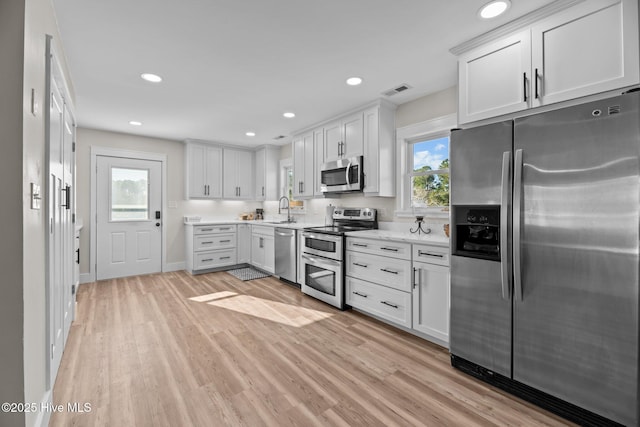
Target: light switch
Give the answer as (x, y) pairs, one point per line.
(35, 196)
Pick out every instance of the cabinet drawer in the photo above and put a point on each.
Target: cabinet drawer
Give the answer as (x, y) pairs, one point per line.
(389, 304)
(214, 259)
(214, 241)
(380, 247)
(395, 273)
(431, 254)
(210, 229)
(263, 230)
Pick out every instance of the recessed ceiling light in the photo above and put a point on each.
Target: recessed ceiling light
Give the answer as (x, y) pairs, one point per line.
(494, 8)
(250, 134)
(354, 81)
(153, 78)
(289, 115)
(135, 123)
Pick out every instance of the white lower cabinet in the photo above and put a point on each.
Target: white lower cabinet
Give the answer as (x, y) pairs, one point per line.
(402, 283)
(210, 247)
(386, 303)
(263, 253)
(431, 300)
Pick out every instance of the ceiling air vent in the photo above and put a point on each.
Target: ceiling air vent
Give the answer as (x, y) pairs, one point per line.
(614, 109)
(396, 90)
(279, 137)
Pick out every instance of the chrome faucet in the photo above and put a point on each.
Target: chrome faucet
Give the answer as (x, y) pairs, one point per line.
(289, 218)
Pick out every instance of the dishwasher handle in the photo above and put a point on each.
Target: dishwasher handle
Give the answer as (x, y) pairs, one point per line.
(285, 232)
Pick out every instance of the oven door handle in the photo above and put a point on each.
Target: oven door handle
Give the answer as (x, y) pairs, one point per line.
(326, 237)
(322, 261)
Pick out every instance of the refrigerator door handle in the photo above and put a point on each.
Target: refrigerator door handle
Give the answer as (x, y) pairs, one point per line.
(517, 206)
(505, 203)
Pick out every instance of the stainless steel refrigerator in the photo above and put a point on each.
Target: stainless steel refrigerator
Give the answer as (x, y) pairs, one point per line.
(545, 257)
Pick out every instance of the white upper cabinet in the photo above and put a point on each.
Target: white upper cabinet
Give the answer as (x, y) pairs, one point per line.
(344, 138)
(379, 151)
(238, 174)
(586, 49)
(266, 173)
(318, 146)
(494, 78)
(303, 166)
(204, 171)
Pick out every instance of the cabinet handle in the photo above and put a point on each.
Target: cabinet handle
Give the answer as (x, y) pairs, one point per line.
(207, 243)
(239, 191)
(415, 282)
(78, 256)
(524, 86)
(361, 265)
(389, 304)
(225, 228)
(420, 253)
(388, 271)
(390, 249)
(361, 295)
(302, 186)
(225, 241)
(225, 257)
(360, 245)
(261, 242)
(536, 83)
(207, 260)
(206, 229)
(262, 191)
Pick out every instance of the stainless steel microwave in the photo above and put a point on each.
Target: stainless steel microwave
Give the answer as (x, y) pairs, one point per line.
(342, 176)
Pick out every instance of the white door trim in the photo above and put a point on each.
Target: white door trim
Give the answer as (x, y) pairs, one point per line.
(127, 154)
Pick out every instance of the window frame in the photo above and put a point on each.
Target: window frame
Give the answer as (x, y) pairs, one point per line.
(405, 138)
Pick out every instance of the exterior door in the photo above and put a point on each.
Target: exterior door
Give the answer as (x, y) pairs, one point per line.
(576, 311)
(129, 219)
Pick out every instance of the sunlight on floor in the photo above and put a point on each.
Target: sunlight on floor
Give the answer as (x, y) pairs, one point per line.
(286, 314)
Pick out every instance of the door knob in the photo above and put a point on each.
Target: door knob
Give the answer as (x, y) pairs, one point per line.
(157, 224)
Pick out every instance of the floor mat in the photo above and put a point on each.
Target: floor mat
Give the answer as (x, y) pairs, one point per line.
(247, 273)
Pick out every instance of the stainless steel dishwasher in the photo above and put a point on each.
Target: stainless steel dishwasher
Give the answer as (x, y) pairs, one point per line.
(286, 259)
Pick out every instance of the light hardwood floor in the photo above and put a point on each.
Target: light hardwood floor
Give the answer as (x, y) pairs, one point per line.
(179, 350)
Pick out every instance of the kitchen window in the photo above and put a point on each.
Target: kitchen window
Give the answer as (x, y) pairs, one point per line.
(286, 177)
(423, 155)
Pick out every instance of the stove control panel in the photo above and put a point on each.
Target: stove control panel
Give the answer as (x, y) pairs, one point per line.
(363, 214)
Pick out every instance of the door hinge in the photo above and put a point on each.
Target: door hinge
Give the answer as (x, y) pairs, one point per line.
(73, 289)
(73, 147)
(73, 218)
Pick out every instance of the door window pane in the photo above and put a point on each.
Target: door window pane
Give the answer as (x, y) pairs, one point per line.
(129, 194)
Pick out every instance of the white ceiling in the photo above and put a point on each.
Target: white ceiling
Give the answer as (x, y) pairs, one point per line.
(232, 66)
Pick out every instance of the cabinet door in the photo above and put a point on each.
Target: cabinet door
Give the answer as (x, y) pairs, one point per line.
(257, 250)
(230, 180)
(244, 174)
(495, 79)
(303, 168)
(213, 169)
(352, 131)
(372, 150)
(587, 49)
(269, 244)
(260, 171)
(196, 170)
(318, 143)
(431, 300)
(244, 243)
(332, 141)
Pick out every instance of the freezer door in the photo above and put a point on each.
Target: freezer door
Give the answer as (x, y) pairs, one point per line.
(476, 163)
(480, 317)
(576, 305)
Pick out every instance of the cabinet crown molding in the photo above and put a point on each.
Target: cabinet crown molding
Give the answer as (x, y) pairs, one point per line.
(513, 26)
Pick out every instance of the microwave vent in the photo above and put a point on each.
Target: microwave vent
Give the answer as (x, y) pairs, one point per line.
(614, 109)
(397, 89)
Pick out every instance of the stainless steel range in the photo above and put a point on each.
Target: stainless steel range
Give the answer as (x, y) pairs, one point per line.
(322, 254)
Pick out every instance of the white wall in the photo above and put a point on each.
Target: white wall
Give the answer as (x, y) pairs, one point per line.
(428, 107)
(174, 150)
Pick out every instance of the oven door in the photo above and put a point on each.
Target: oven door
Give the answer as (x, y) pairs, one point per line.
(325, 245)
(323, 279)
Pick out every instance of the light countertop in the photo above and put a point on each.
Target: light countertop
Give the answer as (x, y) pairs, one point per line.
(294, 225)
(402, 236)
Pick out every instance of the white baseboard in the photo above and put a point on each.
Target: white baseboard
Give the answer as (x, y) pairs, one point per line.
(44, 416)
(86, 278)
(174, 266)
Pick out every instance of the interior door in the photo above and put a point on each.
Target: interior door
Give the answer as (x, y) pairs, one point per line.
(68, 232)
(129, 219)
(576, 311)
(56, 238)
